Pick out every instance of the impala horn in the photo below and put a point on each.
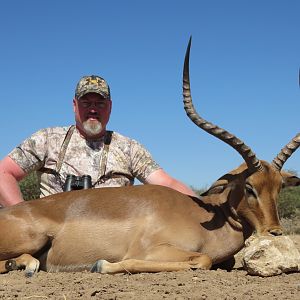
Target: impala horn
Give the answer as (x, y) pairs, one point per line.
(286, 152)
(250, 158)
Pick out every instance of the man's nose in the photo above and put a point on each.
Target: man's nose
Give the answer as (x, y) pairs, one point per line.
(93, 110)
(93, 107)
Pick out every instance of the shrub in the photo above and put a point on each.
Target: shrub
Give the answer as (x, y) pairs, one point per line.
(199, 191)
(289, 202)
(29, 187)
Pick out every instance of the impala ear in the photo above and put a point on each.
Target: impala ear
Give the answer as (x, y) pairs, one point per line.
(218, 195)
(214, 190)
(289, 179)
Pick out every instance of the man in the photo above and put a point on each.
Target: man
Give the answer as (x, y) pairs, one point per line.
(85, 149)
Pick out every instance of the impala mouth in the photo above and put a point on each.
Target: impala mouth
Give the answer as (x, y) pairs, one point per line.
(275, 231)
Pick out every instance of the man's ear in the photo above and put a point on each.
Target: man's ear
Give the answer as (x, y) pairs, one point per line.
(110, 106)
(74, 104)
(289, 179)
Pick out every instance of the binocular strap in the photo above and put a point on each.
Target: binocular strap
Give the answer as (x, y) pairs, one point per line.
(103, 159)
(61, 156)
(64, 147)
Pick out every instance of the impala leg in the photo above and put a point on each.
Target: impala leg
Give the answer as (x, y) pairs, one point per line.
(160, 259)
(139, 266)
(26, 261)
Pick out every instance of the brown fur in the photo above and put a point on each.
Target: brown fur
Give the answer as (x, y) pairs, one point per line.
(145, 228)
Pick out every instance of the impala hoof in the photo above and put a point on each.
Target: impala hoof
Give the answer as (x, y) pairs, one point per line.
(11, 265)
(29, 273)
(32, 267)
(97, 267)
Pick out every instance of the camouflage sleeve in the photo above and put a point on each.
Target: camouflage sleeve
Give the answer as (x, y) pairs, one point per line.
(142, 163)
(30, 154)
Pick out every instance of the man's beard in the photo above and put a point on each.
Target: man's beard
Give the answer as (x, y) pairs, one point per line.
(92, 128)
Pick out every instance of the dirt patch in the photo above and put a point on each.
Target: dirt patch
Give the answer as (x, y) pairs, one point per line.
(198, 284)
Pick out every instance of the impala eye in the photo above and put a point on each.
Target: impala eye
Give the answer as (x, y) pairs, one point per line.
(250, 191)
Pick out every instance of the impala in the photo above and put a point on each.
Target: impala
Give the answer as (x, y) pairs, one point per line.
(148, 228)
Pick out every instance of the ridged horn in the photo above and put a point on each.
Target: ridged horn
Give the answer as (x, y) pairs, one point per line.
(286, 152)
(250, 158)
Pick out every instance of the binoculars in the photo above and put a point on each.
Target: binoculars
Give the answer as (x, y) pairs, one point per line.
(77, 182)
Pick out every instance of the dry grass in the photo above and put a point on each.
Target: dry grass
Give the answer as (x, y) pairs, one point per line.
(291, 226)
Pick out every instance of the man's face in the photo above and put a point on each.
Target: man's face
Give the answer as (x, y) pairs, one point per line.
(92, 113)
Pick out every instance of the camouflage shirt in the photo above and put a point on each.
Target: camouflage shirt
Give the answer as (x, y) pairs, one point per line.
(126, 159)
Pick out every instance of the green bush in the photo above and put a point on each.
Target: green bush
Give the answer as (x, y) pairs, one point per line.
(199, 191)
(29, 187)
(289, 202)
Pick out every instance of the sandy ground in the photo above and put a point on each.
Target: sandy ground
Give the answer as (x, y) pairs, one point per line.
(198, 284)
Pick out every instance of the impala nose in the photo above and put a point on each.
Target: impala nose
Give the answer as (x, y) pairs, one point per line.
(275, 231)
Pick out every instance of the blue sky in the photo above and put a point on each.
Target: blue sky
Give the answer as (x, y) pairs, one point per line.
(244, 67)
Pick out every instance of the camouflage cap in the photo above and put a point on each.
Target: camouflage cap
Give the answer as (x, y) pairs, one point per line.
(92, 84)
